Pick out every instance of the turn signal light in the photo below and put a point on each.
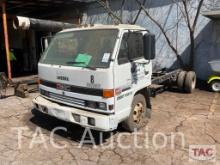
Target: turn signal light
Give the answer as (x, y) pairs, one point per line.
(108, 93)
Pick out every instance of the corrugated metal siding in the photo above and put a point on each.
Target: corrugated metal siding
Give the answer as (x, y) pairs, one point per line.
(165, 12)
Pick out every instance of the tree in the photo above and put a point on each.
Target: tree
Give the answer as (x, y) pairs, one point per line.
(185, 7)
(163, 31)
(189, 11)
(191, 25)
(116, 19)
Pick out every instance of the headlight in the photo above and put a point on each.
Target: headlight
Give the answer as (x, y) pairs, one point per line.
(97, 105)
(102, 106)
(91, 104)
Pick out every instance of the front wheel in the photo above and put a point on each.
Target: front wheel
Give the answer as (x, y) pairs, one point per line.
(139, 114)
(215, 86)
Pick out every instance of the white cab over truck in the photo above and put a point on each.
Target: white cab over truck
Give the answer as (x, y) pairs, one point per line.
(100, 76)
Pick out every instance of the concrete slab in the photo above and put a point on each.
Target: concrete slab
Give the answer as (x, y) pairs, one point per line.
(186, 117)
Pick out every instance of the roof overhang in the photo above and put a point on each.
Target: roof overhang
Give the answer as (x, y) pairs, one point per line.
(41, 8)
(212, 14)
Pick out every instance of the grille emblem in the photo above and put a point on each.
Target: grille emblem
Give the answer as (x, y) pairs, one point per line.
(64, 87)
(60, 86)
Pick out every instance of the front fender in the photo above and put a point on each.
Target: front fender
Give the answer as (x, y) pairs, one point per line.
(212, 78)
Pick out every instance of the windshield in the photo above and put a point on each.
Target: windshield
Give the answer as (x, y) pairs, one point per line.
(86, 48)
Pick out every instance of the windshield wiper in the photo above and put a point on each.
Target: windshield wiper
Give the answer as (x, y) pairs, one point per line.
(90, 67)
(74, 62)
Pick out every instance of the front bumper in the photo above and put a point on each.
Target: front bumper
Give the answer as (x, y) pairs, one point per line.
(101, 122)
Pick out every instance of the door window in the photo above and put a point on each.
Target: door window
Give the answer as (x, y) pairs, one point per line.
(131, 47)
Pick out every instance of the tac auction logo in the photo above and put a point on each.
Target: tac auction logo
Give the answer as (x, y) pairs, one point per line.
(202, 153)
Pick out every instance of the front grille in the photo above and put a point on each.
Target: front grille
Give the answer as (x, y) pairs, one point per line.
(67, 99)
(64, 99)
(74, 89)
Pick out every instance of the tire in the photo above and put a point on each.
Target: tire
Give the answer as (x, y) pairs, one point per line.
(215, 86)
(139, 114)
(190, 82)
(181, 79)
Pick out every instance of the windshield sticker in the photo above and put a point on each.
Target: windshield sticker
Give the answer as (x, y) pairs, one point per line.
(82, 60)
(106, 57)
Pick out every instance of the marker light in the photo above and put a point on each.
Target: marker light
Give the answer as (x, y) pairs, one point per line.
(108, 93)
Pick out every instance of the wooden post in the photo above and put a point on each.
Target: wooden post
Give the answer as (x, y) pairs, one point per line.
(5, 27)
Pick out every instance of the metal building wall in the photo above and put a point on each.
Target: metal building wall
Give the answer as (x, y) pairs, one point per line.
(165, 12)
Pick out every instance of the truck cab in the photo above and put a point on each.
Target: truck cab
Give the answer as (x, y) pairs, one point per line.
(98, 76)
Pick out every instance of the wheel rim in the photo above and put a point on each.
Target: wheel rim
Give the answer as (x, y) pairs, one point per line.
(216, 86)
(138, 111)
(194, 83)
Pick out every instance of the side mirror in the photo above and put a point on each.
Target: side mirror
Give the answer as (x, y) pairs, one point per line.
(149, 46)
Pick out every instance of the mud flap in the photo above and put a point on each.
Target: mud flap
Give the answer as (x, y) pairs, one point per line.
(148, 102)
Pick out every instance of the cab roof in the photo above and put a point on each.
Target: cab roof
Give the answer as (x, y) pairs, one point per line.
(101, 26)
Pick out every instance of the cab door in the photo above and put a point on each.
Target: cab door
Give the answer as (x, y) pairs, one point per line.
(131, 70)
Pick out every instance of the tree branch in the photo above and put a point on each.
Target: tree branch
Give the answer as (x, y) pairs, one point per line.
(109, 11)
(197, 14)
(139, 12)
(187, 14)
(181, 10)
(163, 32)
(122, 9)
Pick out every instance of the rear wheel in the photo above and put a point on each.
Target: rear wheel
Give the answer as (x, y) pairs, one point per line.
(139, 114)
(190, 82)
(215, 85)
(181, 79)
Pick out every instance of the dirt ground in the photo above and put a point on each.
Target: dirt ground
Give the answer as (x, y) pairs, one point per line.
(194, 119)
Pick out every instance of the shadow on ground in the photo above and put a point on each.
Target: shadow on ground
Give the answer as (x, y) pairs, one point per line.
(200, 84)
(74, 132)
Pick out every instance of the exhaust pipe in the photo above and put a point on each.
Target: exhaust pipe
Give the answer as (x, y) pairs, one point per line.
(25, 23)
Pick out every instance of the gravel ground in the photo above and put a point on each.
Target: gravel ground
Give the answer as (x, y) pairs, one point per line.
(191, 119)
